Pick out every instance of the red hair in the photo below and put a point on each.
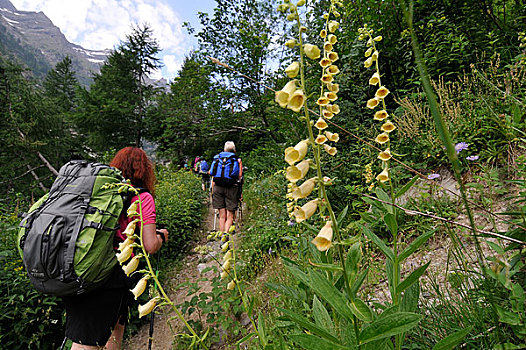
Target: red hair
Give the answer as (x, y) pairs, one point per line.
(136, 167)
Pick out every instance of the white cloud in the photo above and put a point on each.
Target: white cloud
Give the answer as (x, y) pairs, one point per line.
(172, 64)
(103, 24)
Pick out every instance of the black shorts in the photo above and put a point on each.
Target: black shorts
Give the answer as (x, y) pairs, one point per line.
(225, 197)
(91, 317)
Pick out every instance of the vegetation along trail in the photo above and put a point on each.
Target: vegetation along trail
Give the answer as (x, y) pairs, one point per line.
(385, 185)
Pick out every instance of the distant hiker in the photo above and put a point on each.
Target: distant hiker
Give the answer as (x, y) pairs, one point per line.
(195, 165)
(226, 170)
(203, 169)
(98, 318)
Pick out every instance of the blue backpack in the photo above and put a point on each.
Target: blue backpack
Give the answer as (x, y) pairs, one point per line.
(203, 167)
(225, 169)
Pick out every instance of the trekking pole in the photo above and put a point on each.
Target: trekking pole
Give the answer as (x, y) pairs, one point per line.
(152, 320)
(215, 218)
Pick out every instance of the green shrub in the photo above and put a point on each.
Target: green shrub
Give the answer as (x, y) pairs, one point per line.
(179, 204)
(29, 319)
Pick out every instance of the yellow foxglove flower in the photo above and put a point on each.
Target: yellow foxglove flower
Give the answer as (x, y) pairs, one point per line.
(323, 33)
(325, 62)
(327, 78)
(323, 240)
(327, 47)
(369, 42)
(303, 29)
(224, 274)
(381, 115)
(388, 127)
(296, 101)
(132, 210)
(296, 153)
(333, 56)
(322, 101)
(282, 96)
(231, 285)
(226, 265)
(298, 172)
(375, 79)
(334, 137)
(321, 139)
(382, 138)
(385, 155)
(306, 211)
(333, 26)
(329, 149)
(300, 3)
(368, 62)
(332, 39)
(312, 51)
(227, 256)
(128, 241)
(372, 103)
(304, 190)
(321, 124)
(378, 38)
(368, 52)
(331, 96)
(125, 254)
(292, 70)
(333, 87)
(333, 69)
(327, 114)
(382, 92)
(383, 176)
(290, 43)
(140, 287)
(148, 307)
(374, 56)
(225, 247)
(131, 266)
(335, 109)
(130, 228)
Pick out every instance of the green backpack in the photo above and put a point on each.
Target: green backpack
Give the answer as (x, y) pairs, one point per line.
(66, 238)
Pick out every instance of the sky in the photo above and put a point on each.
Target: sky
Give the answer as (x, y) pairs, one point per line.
(103, 24)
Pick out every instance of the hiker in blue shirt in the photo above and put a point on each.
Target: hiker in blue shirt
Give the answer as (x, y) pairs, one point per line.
(202, 169)
(226, 170)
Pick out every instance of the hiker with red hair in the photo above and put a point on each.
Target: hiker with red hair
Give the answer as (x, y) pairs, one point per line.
(97, 319)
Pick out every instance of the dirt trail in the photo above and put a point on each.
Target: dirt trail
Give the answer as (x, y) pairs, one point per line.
(166, 322)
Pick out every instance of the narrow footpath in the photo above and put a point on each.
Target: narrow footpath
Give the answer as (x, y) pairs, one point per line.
(166, 324)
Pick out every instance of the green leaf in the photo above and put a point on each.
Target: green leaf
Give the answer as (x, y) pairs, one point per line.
(300, 275)
(406, 187)
(415, 245)
(507, 316)
(452, 340)
(321, 315)
(509, 346)
(354, 256)
(325, 290)
(342, 216)
(311, 342)
(326, 267)
(305, 323)
(349, 241)
(377, 241)
(412, 278)
(497, 248)
(391, 325)
(245, 338)
(390, 221)
(410, 299)
(385, 197)
(261, 329)
(361, 310)
(358, 282)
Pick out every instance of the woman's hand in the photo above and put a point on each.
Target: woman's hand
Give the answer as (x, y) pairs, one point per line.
(164, 233)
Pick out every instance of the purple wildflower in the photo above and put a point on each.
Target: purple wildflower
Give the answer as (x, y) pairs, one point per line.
(461, 146)
(433, 176)
(270, 251)
(291, 223)
(472, 157)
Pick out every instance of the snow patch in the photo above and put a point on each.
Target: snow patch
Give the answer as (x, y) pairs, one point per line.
(95, 61)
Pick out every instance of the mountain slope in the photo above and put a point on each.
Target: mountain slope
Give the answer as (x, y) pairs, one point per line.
(32, 39)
